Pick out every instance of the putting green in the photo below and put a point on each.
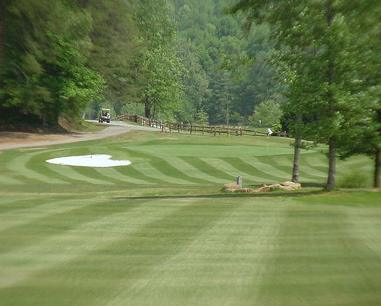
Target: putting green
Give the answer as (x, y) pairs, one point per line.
(158, 232)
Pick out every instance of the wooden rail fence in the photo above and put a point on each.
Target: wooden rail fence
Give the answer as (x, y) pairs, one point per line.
(167, 127)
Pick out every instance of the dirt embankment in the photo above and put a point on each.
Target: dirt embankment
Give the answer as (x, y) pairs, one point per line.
(14, 140)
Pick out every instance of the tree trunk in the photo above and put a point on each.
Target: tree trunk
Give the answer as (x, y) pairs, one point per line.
(295, 167)
(2, 38)
(331, 181)
(377, 168)
(147, 109)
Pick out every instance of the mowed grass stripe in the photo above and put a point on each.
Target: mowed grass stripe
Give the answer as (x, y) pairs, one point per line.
(72, 172)
(249, 169)
(150, 170)
(315, 161)
(305, 171)
(135, 174)
(114, 175)
(154, 167)
(6, 180)
(40, 209)
(18, 206)
(22, 164)
(43, 168)
(7, 177)
(365, 228)
(218, 266)
(123, 261)
(167, 168)
(228, 168)
(14, 170)
(267, 164)
(194, 172)
(101, 226)
(329, 265)
(97, 174)
(203, 166)
(132, 172)
(46, 168)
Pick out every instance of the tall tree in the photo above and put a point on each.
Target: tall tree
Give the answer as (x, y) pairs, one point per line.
(160, 67)
(115, 39)
(46, 72)
(365, 133)
(3, 5)
(320, 54)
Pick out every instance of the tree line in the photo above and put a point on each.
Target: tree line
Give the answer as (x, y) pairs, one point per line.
(177, 60)
(327, 55)
(60, 57)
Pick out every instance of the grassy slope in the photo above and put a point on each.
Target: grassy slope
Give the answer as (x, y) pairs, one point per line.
(176, 161)
(74, 236)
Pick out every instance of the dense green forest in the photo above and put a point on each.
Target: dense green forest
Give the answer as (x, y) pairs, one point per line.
(179, 60)
(309, 67)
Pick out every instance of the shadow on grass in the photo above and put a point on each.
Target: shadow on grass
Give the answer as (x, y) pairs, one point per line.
(226, 195)
(312, 185)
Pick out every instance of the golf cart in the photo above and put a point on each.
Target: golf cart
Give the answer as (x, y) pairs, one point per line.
(104, 116)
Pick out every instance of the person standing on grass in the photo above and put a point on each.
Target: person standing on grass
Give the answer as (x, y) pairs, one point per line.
(269, 132)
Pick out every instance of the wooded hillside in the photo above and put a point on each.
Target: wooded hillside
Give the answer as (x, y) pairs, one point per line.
(177, 60)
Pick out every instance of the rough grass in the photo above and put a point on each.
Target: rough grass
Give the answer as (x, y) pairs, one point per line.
(79, 125)
(160, 233)
(354, 180)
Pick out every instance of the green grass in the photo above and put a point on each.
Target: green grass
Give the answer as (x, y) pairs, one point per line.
(84, 126)
(159, 232)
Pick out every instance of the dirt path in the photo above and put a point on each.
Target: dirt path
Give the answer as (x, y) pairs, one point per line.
(11, 140)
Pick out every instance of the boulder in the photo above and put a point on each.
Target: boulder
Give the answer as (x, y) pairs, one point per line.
(231, 187)
(291, 185)
(286, 186)
(246, 190)
(264, 189)
(275, 187)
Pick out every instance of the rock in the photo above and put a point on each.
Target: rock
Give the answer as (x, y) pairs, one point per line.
(292, 185)
(275, 187)
(286, 186)
(246, 190)
(231, 187)
(264, 189)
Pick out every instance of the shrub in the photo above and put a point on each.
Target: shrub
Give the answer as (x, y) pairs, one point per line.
(353, 180)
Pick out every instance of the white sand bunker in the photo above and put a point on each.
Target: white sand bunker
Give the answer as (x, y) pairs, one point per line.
(95, 161)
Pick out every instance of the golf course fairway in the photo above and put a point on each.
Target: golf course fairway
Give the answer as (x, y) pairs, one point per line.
(160, 231)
